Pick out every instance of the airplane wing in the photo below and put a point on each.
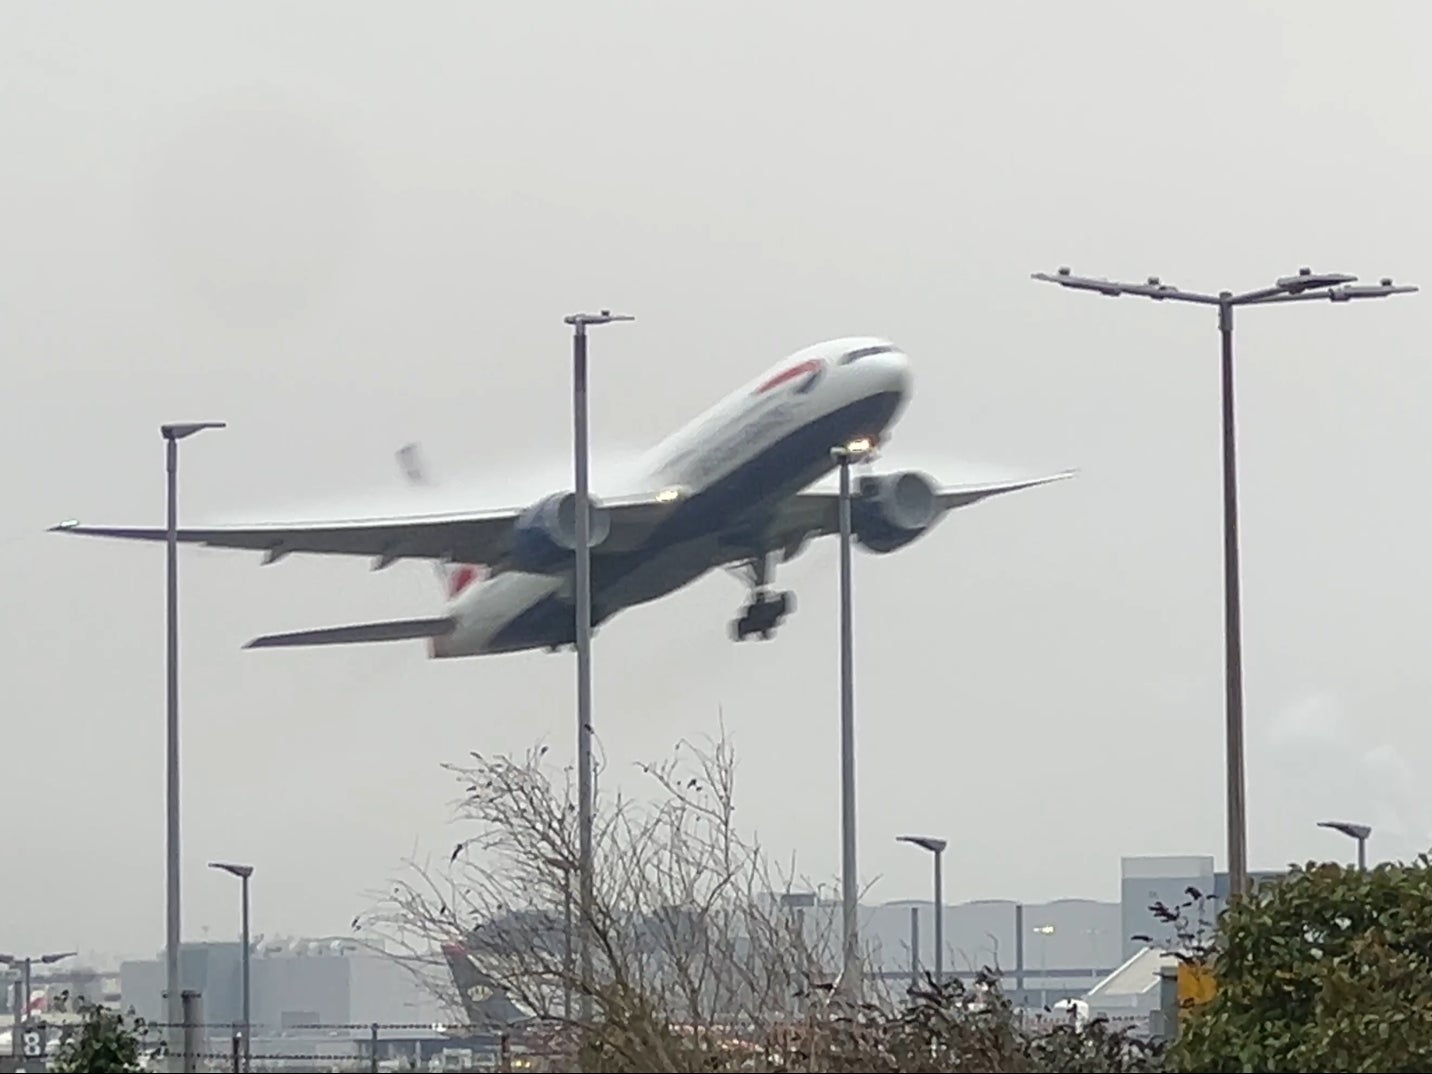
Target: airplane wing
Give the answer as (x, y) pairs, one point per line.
(481, 537)
(816, 512)
(392, 630)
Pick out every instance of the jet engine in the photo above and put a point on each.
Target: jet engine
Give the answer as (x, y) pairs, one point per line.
(891, 510)
(545, 535)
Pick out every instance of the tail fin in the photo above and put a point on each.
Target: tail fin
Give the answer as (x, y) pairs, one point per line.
(484, 1001)
(454, 578)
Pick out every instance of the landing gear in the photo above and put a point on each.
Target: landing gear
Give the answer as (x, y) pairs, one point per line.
(766, 610)
(763, 615)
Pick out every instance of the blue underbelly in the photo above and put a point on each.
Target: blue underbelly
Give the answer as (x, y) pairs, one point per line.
(731, 503)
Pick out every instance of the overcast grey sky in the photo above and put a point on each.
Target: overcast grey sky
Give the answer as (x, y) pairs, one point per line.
(344, 226)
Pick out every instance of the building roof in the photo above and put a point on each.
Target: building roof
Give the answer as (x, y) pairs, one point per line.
(1136, 977)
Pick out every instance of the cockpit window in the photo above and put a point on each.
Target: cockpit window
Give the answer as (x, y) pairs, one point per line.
(866, 352)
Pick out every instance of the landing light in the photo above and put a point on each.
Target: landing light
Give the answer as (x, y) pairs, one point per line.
(668, 495)
(861, 445)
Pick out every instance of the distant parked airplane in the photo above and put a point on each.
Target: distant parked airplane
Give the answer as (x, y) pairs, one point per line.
(731, 489)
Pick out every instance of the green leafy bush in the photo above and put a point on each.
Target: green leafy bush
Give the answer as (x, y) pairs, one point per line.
(107, 1040)
(1327, 969)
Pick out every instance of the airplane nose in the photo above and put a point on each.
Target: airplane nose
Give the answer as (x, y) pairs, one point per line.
(895, 372)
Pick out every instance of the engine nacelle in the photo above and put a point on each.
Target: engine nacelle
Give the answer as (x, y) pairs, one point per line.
(890, 511)
(545, 535)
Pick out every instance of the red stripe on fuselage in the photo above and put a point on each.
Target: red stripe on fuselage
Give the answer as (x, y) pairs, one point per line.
(809, 366)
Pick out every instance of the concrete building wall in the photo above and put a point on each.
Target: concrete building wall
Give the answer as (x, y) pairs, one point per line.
(211, 969)
(1147, 880)
(312, 985)
(294, 990)
(382, 990)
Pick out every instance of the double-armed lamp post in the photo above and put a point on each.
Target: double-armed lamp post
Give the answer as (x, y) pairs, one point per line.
(1303, 286)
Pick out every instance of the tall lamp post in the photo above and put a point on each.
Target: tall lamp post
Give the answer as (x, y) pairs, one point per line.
(174, 1002)
(583, 585)
(936, 847)
(844, 455)
(243, 872)
(22, 1008)
(1304, 286)
(1360, 832)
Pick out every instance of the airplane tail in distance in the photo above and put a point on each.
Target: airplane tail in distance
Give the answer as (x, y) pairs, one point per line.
(453, 577)
(483, 1000)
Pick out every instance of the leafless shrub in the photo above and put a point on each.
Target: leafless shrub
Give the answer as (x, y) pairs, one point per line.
(697, 961)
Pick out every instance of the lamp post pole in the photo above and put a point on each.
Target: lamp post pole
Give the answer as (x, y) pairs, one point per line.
(243, 872)
(174, 1003)
(583, 586)
(1303, 286)
(565, 867)
(936, 847)
(844, 455)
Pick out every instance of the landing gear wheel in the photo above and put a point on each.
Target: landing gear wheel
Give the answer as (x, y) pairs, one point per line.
(766, 610)
(762, 616)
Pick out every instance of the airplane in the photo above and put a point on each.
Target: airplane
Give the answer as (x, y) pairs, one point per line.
(731, 489)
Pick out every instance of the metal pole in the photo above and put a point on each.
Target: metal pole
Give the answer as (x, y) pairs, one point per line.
(1019, 951)
(914, 947)
(851, 972)
(583, 585)
(1232, 622)
(584, 658)
(175, 1001)
(567, 946)
(939, 921)
(22, 1000)
(192, 1018)
(248, 1014)
(1362, 854)
(25, 987)
(373, 1048)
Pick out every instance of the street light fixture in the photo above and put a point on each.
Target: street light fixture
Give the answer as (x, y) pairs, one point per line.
(22, 1008)
(583, 585)
(936, 847)
(1360, 832)
(174, 1002)
(243, 872)
(1304, 286)
(858, 450)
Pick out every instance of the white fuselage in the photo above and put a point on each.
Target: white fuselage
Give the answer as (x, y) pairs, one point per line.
(732, 465)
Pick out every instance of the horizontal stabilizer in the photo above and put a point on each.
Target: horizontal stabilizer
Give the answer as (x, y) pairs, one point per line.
(393, 630)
